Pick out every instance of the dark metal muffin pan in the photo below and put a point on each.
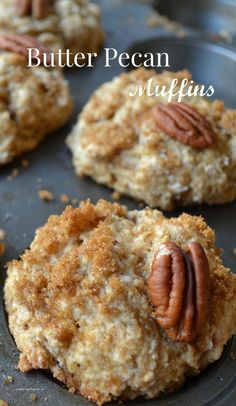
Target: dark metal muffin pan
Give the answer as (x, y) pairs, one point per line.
(21, 211)
(210, 16)
(206, 60)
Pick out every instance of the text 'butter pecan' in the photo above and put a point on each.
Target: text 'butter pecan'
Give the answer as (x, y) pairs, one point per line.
(36, 8)
(20, 45)
(178, 288)
(185, 124)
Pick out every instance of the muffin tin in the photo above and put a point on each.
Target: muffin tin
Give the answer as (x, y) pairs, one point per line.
(21, 211)
(206, 60)
(215, 17)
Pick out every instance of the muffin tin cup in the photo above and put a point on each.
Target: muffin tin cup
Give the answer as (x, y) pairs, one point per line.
(50, 167)
(214, 17)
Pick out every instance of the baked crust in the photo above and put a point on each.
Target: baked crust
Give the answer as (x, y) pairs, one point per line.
(33, 103)
(78, 302)
(73, 24)
(117, 142)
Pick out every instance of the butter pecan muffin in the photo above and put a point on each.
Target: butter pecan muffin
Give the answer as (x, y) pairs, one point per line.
(33, 102)
(120, 304)
(165, 154)
(59, 24)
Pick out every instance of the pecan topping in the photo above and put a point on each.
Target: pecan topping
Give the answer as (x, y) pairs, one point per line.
(20, 44)
(184, 123)
(36, 8)
(178, 288)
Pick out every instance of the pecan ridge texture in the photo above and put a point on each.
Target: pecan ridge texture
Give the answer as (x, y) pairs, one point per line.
(185, 124)
(36, 8)
(20, 44)
(178, 288)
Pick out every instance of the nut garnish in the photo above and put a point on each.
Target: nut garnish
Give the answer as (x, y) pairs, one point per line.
(36, 8)
(20, 45)
(178, 288)
(184, 123)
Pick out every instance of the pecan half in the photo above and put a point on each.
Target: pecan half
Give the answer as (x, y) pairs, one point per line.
(184, 123)
(178, 288)
(36, 8)
(20, 44)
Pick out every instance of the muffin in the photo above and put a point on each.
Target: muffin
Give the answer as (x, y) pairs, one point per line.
(120, 304)
(33, 101)
(165, 154)
(60, 24)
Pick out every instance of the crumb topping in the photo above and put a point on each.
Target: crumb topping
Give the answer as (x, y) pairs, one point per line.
(117, 142)
(77, 299)
(73, 24)
(33, 103)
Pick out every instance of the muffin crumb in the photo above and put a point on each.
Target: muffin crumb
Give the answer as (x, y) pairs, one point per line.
(15, 172)
(45, 195)
(232, 355)
(64, 198)
(34, 397)
(2, 248)
(25, 163)
(153, 21)
(116, 195)
(8, 379)
(75, 201)
(2, 234)
(71, 390)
